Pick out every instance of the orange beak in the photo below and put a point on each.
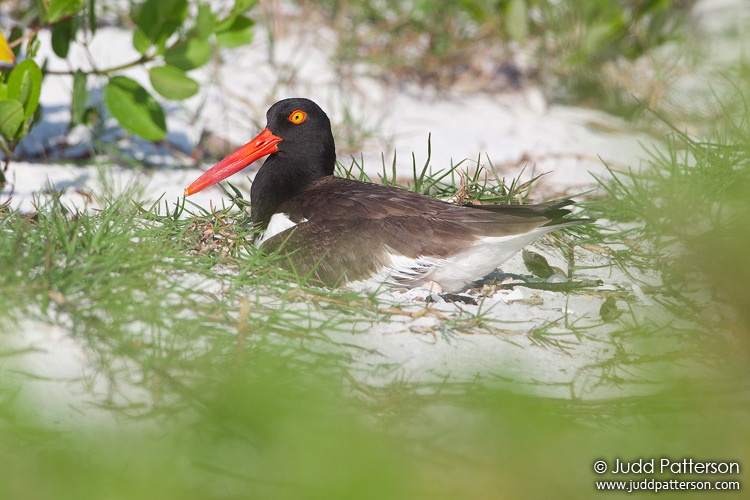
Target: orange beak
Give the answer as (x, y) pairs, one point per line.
(264, 144)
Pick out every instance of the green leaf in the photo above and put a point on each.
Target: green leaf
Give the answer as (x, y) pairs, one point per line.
(242, 6)
(141, 43)
(188, 54)
(239, 8)
(239, 32)
(11, 118)
(172, 82)
(79, 100)
(58, 9)
(134, 108)
(15, 34)
(91, 11)
(161, 18)
(25, 85)
(62, 33)
(204, 24)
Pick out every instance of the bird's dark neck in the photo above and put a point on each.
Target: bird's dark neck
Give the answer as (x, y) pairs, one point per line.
(282, 177)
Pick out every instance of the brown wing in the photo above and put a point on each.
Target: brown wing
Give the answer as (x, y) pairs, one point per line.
(347, 229)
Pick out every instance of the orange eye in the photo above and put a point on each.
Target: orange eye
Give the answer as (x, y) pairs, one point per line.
(297, 117)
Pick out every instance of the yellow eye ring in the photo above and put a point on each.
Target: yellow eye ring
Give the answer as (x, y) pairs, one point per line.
(297, 117)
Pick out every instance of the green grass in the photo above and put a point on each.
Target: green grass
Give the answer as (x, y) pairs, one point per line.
(464, 182)
(232, 379)
(692, 220)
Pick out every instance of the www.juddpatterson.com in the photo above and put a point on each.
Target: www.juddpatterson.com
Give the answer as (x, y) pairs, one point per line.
(686, 466)
(657, 485)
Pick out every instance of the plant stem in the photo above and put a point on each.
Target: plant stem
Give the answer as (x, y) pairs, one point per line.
(142, 60)
(34, 31)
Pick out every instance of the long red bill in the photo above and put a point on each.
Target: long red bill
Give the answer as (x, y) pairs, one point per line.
(264, 144)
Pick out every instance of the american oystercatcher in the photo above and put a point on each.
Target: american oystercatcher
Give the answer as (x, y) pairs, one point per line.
(347, 231)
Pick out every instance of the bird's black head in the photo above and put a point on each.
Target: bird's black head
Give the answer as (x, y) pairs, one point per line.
(305, 132)
(297, 136)
(299, 141)
(305, 153)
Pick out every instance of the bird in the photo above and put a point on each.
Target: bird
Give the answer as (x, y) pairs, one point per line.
(343, 231)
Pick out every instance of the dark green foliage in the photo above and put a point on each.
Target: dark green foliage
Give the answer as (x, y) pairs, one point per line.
(442, 43)
(164, 31)
(19, 101)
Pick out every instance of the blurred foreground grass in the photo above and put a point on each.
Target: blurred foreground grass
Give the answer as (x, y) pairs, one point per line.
(265, 430)
(223, 381)
(218, 392)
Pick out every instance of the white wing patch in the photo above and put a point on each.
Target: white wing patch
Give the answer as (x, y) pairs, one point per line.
(456, 272)
(402, 272)
(405, 270)
(480, 259)
(278, 224)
